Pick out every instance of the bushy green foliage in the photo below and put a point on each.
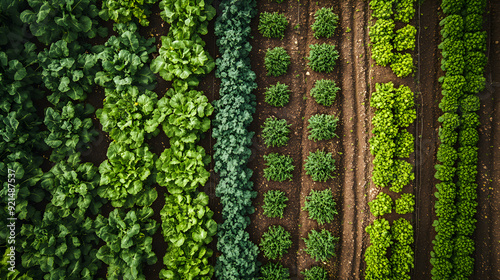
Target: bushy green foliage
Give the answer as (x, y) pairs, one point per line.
(315, 273)
(405, 10)
(452, 27)
(404, 144)
(381, 205)
(320, 245)
(272, 25)
(322, 57)
(324, 92)
(274, 203)
(325, 23)
(402, 259)
(405, 204)
(382, 31)
(128, 238)
(279, 167)
(321, 206)
(447, 155)
(274, 271)
(121, 11)
(468, 137)
(52, 20)
(276, 61)
(322, 127)
(402, 64)
(187, 18)
(382, 53)
(468, 155)
(70, 128)
(275, 132)
(275, 242)
(382, 8)
(405, 38)
(277, 95)
(320, 165)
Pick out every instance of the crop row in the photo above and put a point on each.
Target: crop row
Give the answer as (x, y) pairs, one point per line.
(463, 49)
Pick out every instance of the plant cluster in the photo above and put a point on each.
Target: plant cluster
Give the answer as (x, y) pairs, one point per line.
(320, 245)
(315, 273)
(274, 271)
(322, 57)
(272, 25)
(322, 127)
(325, 23)
(405, 204)
(279, 167)
(232, 151)
(320, 165)
(381, 205)
(274, 203)
(277, 95)
(276, 61)
(275, 242)
(275, 132)
(463, 50)
(123, 11)
(324, 92)
(188, 17)
(321, 206)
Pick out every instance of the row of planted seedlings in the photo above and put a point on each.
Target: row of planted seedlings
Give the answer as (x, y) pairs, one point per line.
(463, 49)
(392, 144)
(320, 165)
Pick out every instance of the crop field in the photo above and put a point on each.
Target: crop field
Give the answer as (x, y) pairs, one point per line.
(250, 139)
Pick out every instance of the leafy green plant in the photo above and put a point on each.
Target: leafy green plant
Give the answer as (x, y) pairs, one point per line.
(182, 59)
(71, 129)
(447, 155)
(122, 11)
(68, 71)
(381, 205)
(382, 31)
(272, 25)
(402, 64)
(321, 206)
(383, 53)
(468, 137)
(128, 241)
(126, 176)
(405, 38)
(405, 10)
(322, 127)
(320, 165)
(377, 263)
(405, 204)
(125, 59)
(132, 115)
(322, 57)
(275, 242)
(277, 95)
(324, 92)
(325, 23)
(320, 245)
(382, 8)
(187, 115)
(315, 273)
(187, 18)
(187, 226)
(73, 186)
(12, 274)
(274, 203)
(182, 167)
(404, 144)
(52, 20)
(279, 167)
(276, 61)
(274, 271)
(275, 132)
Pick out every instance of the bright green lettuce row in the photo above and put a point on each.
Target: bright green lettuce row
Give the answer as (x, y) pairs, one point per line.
(187, 226)
(127, 176)
(52, 20)
(132, 115)
(181, 168)
(70, 128)
(404, 10)
(452, 27)
(384, 96)
(402, 231)
(382, 31)
(187, 17)
(381, 205)
(382, 8)
(443, 247)
(404, 144)
(128, 241)
(73, 185)
(58, 247)
(187, 115)
(181, 59)
(403, 175)
(122, 11)
(383, 53)
(405, 38)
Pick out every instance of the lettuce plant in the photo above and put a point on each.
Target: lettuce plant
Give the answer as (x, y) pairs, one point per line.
(322, 57)
(320, 165)
(70, 128)
(132, 115)
(315, 273)
(187, 115)
(276, 61)
(125, 60)
(277, 95)
(52, 20)
(322, 127)
(275, 242)
(274, 271)
(325, 23)
(122, 11)
(382, 8)
(279, 167)
(321, 206)
(272, 25)
(320, 245)
(377, 263)
(402, 64)
(128, 238)
(381, 205)
(324, 92)
(187, 18)
(404, 10)
(274, 203)
(275, 132)
(405, 38)
(68, 71)
(181, 168)
(127, 175)
(405, 204)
